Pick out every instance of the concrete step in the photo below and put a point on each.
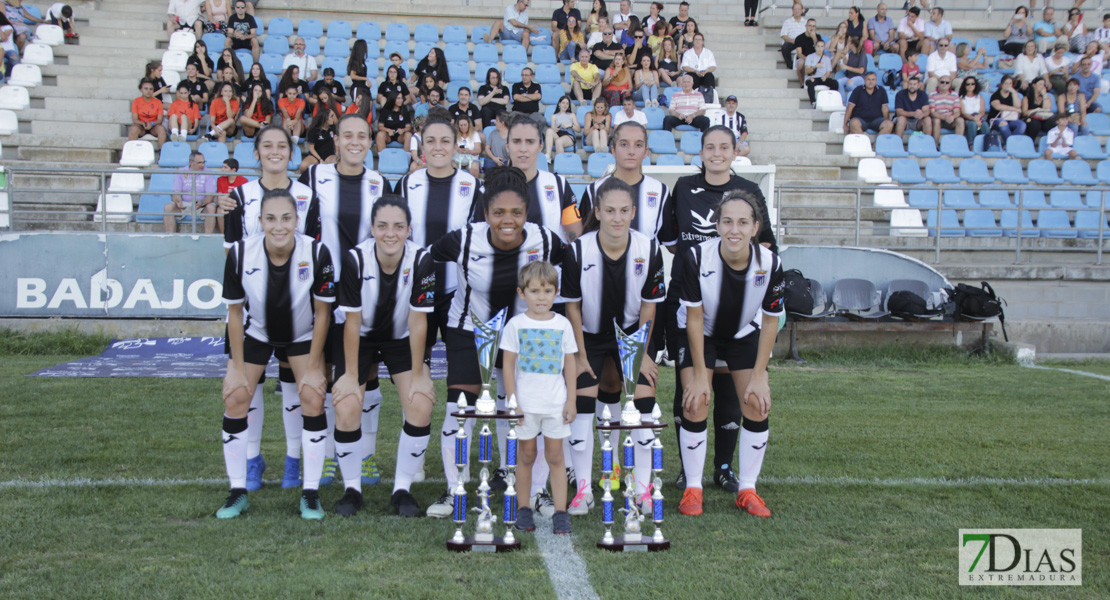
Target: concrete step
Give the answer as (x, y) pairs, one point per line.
(65, 105)
(129, 92)
(91, 82)
(807, 174)
(54, 155)
(107, 53)
(123, 32)
(100, 130)
(47, 181)
(82, 116)
(811, 199)
(130, 61)
(138, 43)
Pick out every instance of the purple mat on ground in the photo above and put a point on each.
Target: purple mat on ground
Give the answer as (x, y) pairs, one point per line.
(199, 357)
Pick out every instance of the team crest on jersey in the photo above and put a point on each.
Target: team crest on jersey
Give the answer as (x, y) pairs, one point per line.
(549, 192)
(653, 198)
(760, 278)
(302, 203)
(302, 271)
(464, 190)
(639, 268)
(533, 255)
(374, 187)
(405, 277)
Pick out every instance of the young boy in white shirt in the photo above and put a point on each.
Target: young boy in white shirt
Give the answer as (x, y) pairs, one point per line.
(538, 365)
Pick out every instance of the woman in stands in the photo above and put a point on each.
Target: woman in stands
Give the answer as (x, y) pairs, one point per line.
(435, 65)
(206, 69)
(1037, 110)
(292, 113)
(284, 283)
(363, 107)
(321, 139)
(597, 125)
(617, 81)
(356, 68)
(597, 12)
(686, 40)
(469, 150)
(731, 291)
(570, 39)
(1005, 111)
(393, 86)
(184, 115)
(647, 81)
(562, 135)
(687, 220)
(223, 114)
(258, 110)
(394, 124)
(628, 266)
(427, 84)
(973, 110)
(292, 78)
(257, 74)
(154, 74)
(493, 97)
(229, 59)
(669, 64)
(1074, 104)
(487, 256)
(386, 291)
(324, 98)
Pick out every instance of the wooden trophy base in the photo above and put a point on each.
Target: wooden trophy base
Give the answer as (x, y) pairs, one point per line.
(645, 544)
(470, 544)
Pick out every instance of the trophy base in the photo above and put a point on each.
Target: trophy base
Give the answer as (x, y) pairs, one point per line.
(470, 544)
(644, 544)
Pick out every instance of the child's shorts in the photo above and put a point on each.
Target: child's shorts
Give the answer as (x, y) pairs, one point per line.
(551, 426)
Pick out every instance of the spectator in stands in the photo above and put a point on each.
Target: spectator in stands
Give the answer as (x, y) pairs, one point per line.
(184, 115)
(303, 61)
(292, 113)
(321, 139)
(596, 128)
(678, 23)
(362, 107)
(61, 14)
(751, 8)
(292, 78)
(656, 37)
(634, 54)
(497, 153)
(1096, 54)
(469, 141)
(324, 100)
(223, 115)
(857, 27)
(396, 60)
(647, 82)
(183, 14)
(909, 67)
(393, 85)
(686, 40)
(585, 77)
(1045, 31)
(1029, 66)
(1089, 83)
(356, 68)
(622, 17)
(737, 123)
(940, 63)
(153, 68)
(625, 35)
(561, 15)
(417, 160)
(242, 31)
(911, 109)
(838, 42)
(226, 183)
(1058, 66)
(215, 15)
(936, 29)
(699, 63)
(258, 111)
(428, 84)
(229, 75)
(493, 96)
(1060, 140)
(526, 93)
(966, 66)
(435, 64)
(804, 45)
(868, 108)
(597, 13)
(1075, 31)
(911, 32)
(206, 67)
(146, 115)
(198, 90)
(394, 124)
(562, 135)
(514, 25)
(329, 83)
(1102, 34)
(687, 107)
(879, 30)
(465, 107)
(628, 112)
(596, 37)
(973, 110)
(791, 29)
(944, 109)
(1018, 32)
(196, 190)
(570, 39)
(617, 81)
(655, 17)
(852, 64)
(604, 51)
(1037, 110)
(818, 71)
(1074, 104)
(432, 100)
(668, 62)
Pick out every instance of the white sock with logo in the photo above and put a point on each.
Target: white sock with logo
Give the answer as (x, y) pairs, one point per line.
(233, 435)
(753, 445)
(581, 442)
(642, 454)
(410, 453)
(291, 413)
(348, 450)
(314, 442)
(371, 408)
(692, 438)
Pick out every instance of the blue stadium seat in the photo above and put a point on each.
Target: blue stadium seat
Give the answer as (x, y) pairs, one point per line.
(996, 64)
(1055, 224)
(956, 41)
(1088, 147)
(425, 33)
(1043, 172)
(1065, 199)
(1098, 123)
(311, 45)
(654, 117)
(661, 142)
(923, 198)
(549, 74)
(279, 26)
(161, 182)
(541, 163)
(514, 55)
(544, 55)
(214, 41)
(995, 199)
(368, 162)
(1021, 146)
(690, 142)
(397, 32)
(954, 146)
(939, 170)
(337, 48)
(244, 57)
(959, 198)
(456, 53)
(174, 154)
(399, 47)
(310, 28)
(581, 113)
(990, 44)
(1103, 171)
(695, 161)
(551, 93)
(271, 63)
(276, 44)
(1078, 172)
(906, 170)
(459, 71)
(512, 73)
(974, 170)
(422, 50)
(647, 159)
(244, 153)
(548, 111)
(542, 37)
(889, 61)
(339, 30)
(393, 161)
(453, 88)
(1008, 170)
(977, 148)
(478, 33)
(578, 189)
(598, 162)
(485, 53)
(215, 153)
(1087, 224)
(890, 146)
(1009, 223)
(339, 65)
(369, 31)
(923, 146)
(980, 223)
(482, 69)
(1034, 199)
(454, 34)
(670, 160)
(1094, 199)
(949, 223)
(151, 203)
(568, 163)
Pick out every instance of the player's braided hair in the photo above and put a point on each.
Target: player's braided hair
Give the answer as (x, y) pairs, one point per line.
(506, 179)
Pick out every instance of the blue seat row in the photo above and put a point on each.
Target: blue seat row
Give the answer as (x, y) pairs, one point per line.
(999, 198)
(1050, 223)
(1007, 170)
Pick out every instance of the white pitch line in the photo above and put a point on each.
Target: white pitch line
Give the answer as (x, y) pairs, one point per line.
(1072, 371)
(565, 567)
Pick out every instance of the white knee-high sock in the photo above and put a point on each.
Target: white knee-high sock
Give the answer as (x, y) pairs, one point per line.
(642, 454)
(329, 413)
(371, 408)
(692, 438)
(234, 437)
(291, 413)
(348, 450)
(255, 415)
(410, 453)
(753, 445)
(540, 470)
(581, 442)
(314, 441)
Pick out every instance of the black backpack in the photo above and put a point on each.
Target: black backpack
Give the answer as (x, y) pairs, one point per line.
(978, 303)
(907, 305)
(797, 294)
(893, 79)
(992, 141)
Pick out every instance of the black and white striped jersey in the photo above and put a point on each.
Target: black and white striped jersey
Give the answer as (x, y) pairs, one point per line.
(438, 206)
(384, 299)
(708, 282)
(243, 222)
(612, 289)
(650, 195)
(488, 276)
(344, 205)
(278, 300)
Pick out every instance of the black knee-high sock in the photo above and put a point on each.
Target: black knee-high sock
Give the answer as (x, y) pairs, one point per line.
(726, 419)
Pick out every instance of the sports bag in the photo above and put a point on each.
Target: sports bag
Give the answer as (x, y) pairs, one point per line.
(797, 295)
(905, 304)
(978, 303)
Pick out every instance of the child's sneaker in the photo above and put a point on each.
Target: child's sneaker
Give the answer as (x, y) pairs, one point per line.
(560, 522)
(524, 520)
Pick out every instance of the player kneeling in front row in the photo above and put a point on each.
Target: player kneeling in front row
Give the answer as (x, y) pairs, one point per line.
(283, 280)
(538, 365)
(717, 277)
(386, 290)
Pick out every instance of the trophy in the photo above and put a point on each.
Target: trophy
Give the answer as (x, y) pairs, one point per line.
(632, 348)
(488, 338)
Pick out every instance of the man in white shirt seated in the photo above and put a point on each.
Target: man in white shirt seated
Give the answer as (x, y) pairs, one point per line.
(629, 113)
(700, 63)
(940, 63)
(514, 25)
(911, 32)
(737, 122)
(791, 29)
(621, 18)
(305, 62)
